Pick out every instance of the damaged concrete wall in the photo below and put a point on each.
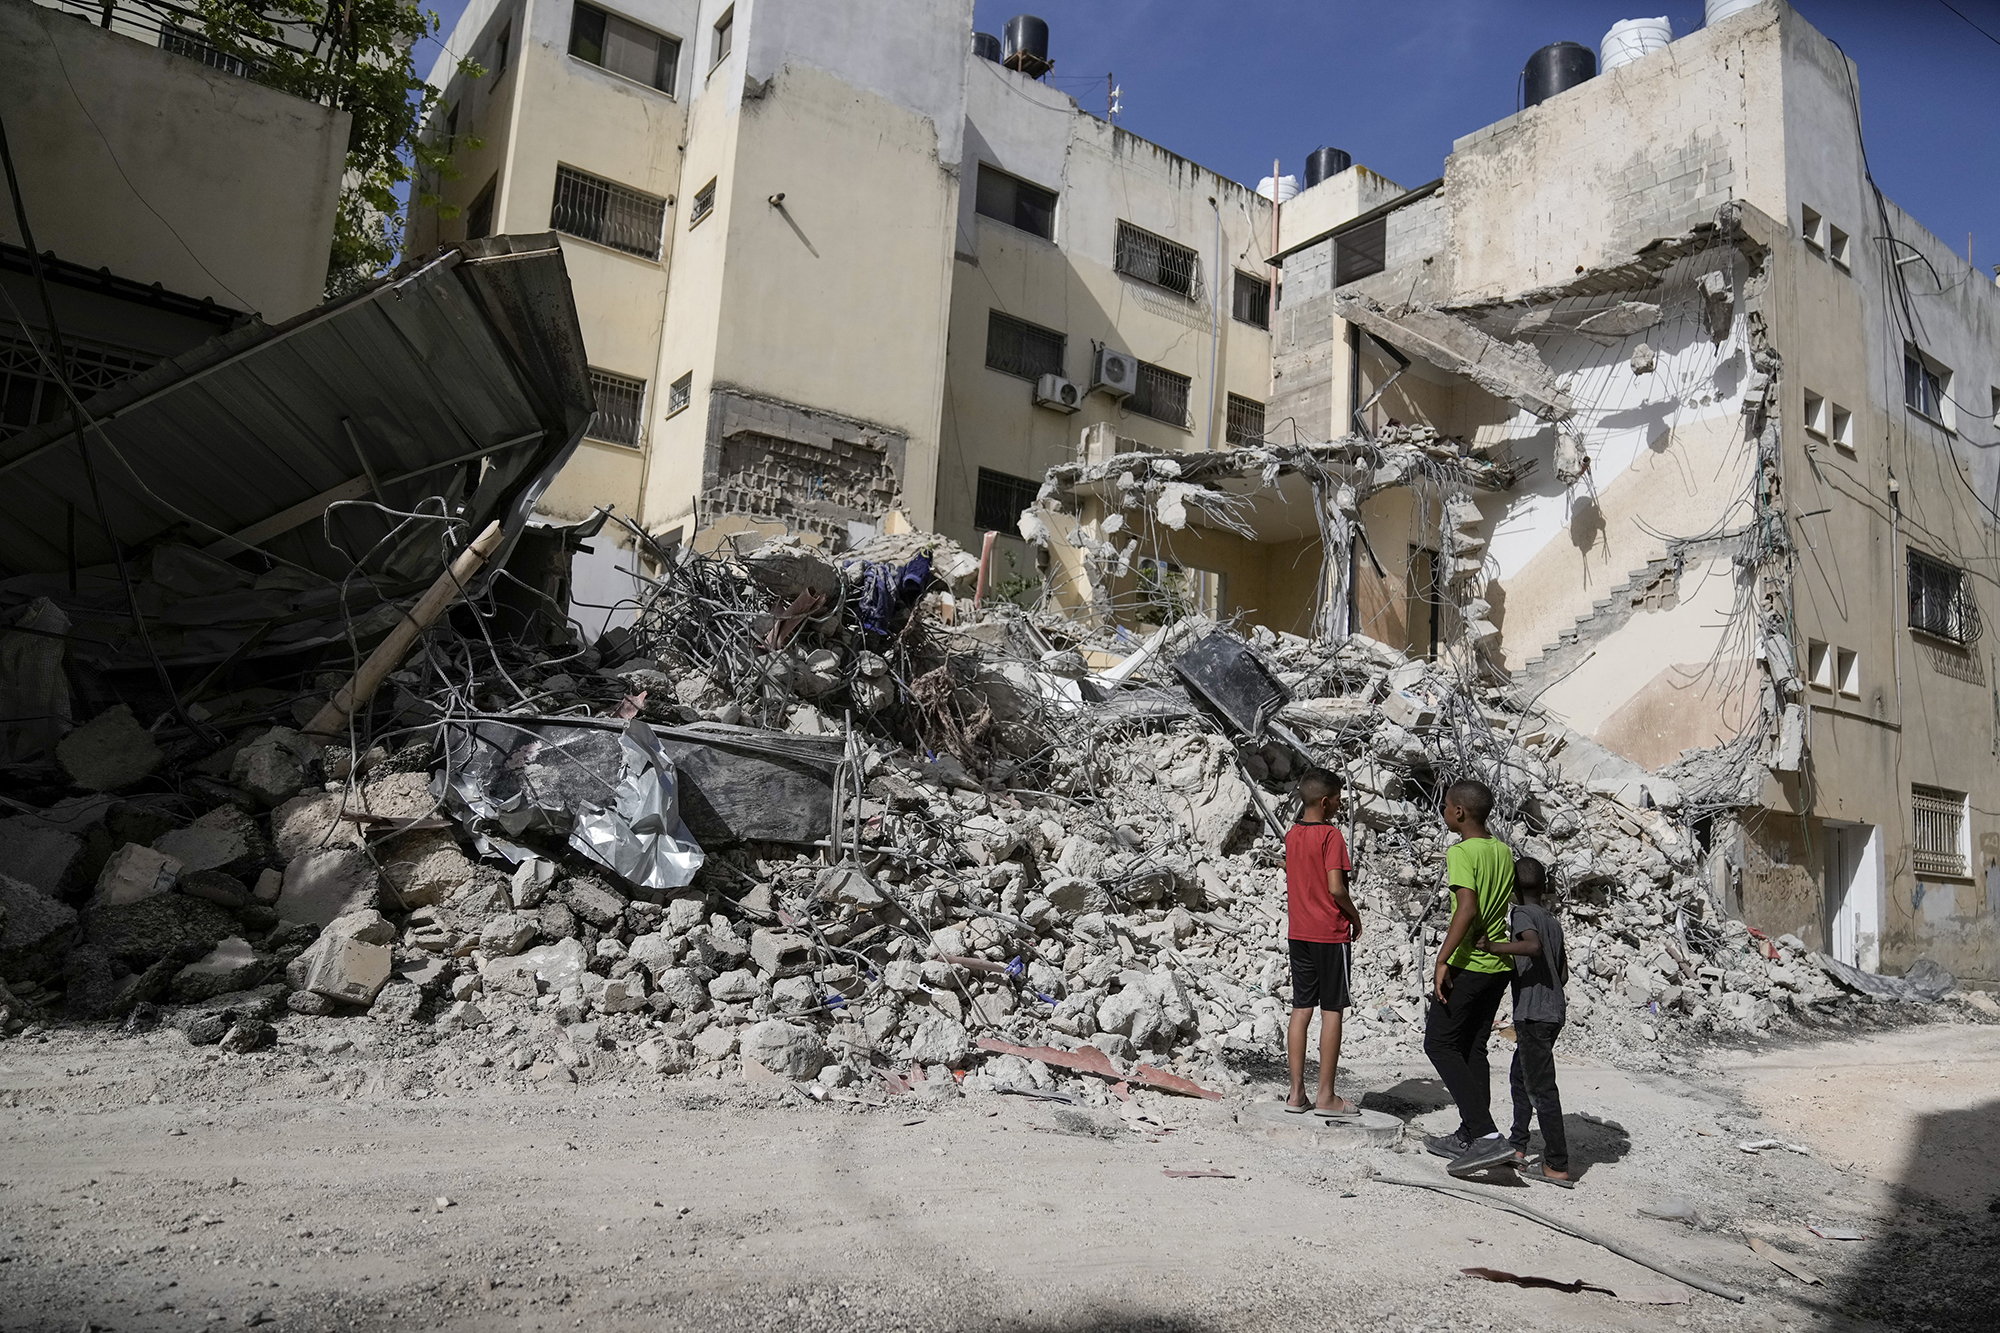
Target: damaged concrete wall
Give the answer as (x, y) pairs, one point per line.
(816, 472)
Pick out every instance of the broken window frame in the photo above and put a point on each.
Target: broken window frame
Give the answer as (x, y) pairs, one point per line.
(1158, 262)
(625, 423)
(29, 395)
(185, 42)
(1020, 204)
(1011, 345)
(1245, 421)
(1941, 604)
(1161, 394)
(999, 498)
(606, 213)
(680, 394)
(1250, 301)
(1938, 844)
(591, 30)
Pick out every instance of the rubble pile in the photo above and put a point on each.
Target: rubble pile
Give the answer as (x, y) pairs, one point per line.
(825, 822)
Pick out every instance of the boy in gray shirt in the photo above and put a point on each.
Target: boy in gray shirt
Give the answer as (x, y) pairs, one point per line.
(1541, 967)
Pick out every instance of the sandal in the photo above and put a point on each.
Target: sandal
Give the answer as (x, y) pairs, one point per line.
(1342, 1109)
(1540, 1172)
(1300, 1109)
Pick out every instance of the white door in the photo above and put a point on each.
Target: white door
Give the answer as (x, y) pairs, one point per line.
(1854, 881)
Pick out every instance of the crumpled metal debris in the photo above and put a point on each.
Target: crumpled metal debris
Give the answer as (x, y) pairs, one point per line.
(1925, 982)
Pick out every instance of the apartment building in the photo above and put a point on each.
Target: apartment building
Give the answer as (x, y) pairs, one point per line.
(827, 259)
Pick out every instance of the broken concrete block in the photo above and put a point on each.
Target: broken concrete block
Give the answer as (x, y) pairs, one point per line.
(248, 1034)
(310, 1004)
(1073, 896)
(715, 1043)
(132, 873)
(345, 967)
(94, 986)
(270, 883)
(940, 1041)
(620, 995)
(425, 867)
(795, 995)
(734, 987)
(35, 931)
(1644, 358)
(848, 887)
(531, 882)
(223, 839)
(507, 934)
(224, 891)
(39, 855)
(109, 752)
(320, 886)
(166, 925)
(397, 1002)
(593, 902)
(779, 953)
(684, 988)
(788, 1049)
(655, 952)
(683, 915)
(311, 823)
(903, 976)
(273, 767)
(1408, 710)
(230, 966)
(554, 966)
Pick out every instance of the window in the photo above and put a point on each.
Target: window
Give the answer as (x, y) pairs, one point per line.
(679, 394)
(1940, 842)
(620, 399)
(1157, 260)
(1246, 420)
(1812, 227)
(610, 214)
(1840, 427)
(1016, 347)
(1847, 671)
(1941, 602)
(725, 28)
(704, 204)
(185, 42)
(1160, 394)
(1013, 201)
(626, 49)
(29, 395)
(1819, 664)
(500, 45)
(1926, 386)
(1995, 417)
(1815, 414)
(1836, 246)
(451, 128)
(1252, 304)
(479, 217)
(1001, 498)
(1360, 251)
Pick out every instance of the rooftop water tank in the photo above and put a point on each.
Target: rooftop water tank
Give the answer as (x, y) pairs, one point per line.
(1287, 187)
(1024, 45)
(1556, 68)
(1719, 10)
(1630, 39)
(1324, 162)
(986, 46)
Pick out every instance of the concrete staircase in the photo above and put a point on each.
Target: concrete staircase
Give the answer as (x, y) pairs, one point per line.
(1606, 614)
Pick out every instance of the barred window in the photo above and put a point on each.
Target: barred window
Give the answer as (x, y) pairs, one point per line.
(607, 213)
(1941, 603)
(1360, 252)
(1001, 498)
(609, 42)
(1940, 847)
(704, 204)
(186, 42)
(1016, 203)
(1246, 420)
(30, 395)
(1160, 394)
(620, 401)
(1016, 347)
(1252, 300)
(680, 393)
(1157, 260)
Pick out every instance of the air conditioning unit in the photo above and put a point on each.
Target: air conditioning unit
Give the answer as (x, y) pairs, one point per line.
(1114, 372)
(1056, 392)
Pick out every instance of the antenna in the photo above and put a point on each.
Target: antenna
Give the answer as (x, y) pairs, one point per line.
(1113, 98)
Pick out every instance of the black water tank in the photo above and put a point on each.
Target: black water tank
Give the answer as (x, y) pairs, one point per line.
(1556, 68)
(1025, 46)
(986, 46)
(1324, 162)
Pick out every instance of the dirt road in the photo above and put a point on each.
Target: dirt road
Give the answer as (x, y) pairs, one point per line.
(144, 1185)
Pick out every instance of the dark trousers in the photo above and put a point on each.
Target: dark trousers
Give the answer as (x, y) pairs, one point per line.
(1455, 1035)
(1535, 1091)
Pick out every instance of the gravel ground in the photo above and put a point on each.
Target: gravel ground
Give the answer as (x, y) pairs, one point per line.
(144, 1185)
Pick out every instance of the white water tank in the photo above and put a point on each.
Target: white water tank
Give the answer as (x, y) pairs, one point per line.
(1719, 10)
(1630, 39)
(1287, 187)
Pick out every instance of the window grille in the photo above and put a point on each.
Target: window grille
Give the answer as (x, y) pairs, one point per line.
(1001, 498)
(185, 42)
(609, 42)
(1360, 252)
(1923, 385)
(620, 401)
(1252, 300)
(1161, 395)
(610, 214)
(1157, 260)
(1939, 848)
(30, 395)
(1016, 347)
(1941, 603)
(1246, 420)
(1016, 203)
(680, 393)
(704, 204)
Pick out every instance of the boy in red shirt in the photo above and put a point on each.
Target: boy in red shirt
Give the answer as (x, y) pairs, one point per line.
(1322, 924)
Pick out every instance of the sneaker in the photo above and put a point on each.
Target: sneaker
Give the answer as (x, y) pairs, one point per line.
(1450, 1146)
(1492, 1150)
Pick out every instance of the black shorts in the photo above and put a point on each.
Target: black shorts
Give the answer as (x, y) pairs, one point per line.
(1319, 975)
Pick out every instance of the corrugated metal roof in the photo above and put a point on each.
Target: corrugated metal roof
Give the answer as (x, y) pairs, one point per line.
(394, 395)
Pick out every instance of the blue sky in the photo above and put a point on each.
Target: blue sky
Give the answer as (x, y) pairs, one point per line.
(1234, 85)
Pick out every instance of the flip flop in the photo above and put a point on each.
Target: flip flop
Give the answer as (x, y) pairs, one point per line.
(1297, 1110)
(1540, 1172)
(1353, 1111)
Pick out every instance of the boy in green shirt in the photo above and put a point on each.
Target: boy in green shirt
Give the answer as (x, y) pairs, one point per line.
(1470, 981)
